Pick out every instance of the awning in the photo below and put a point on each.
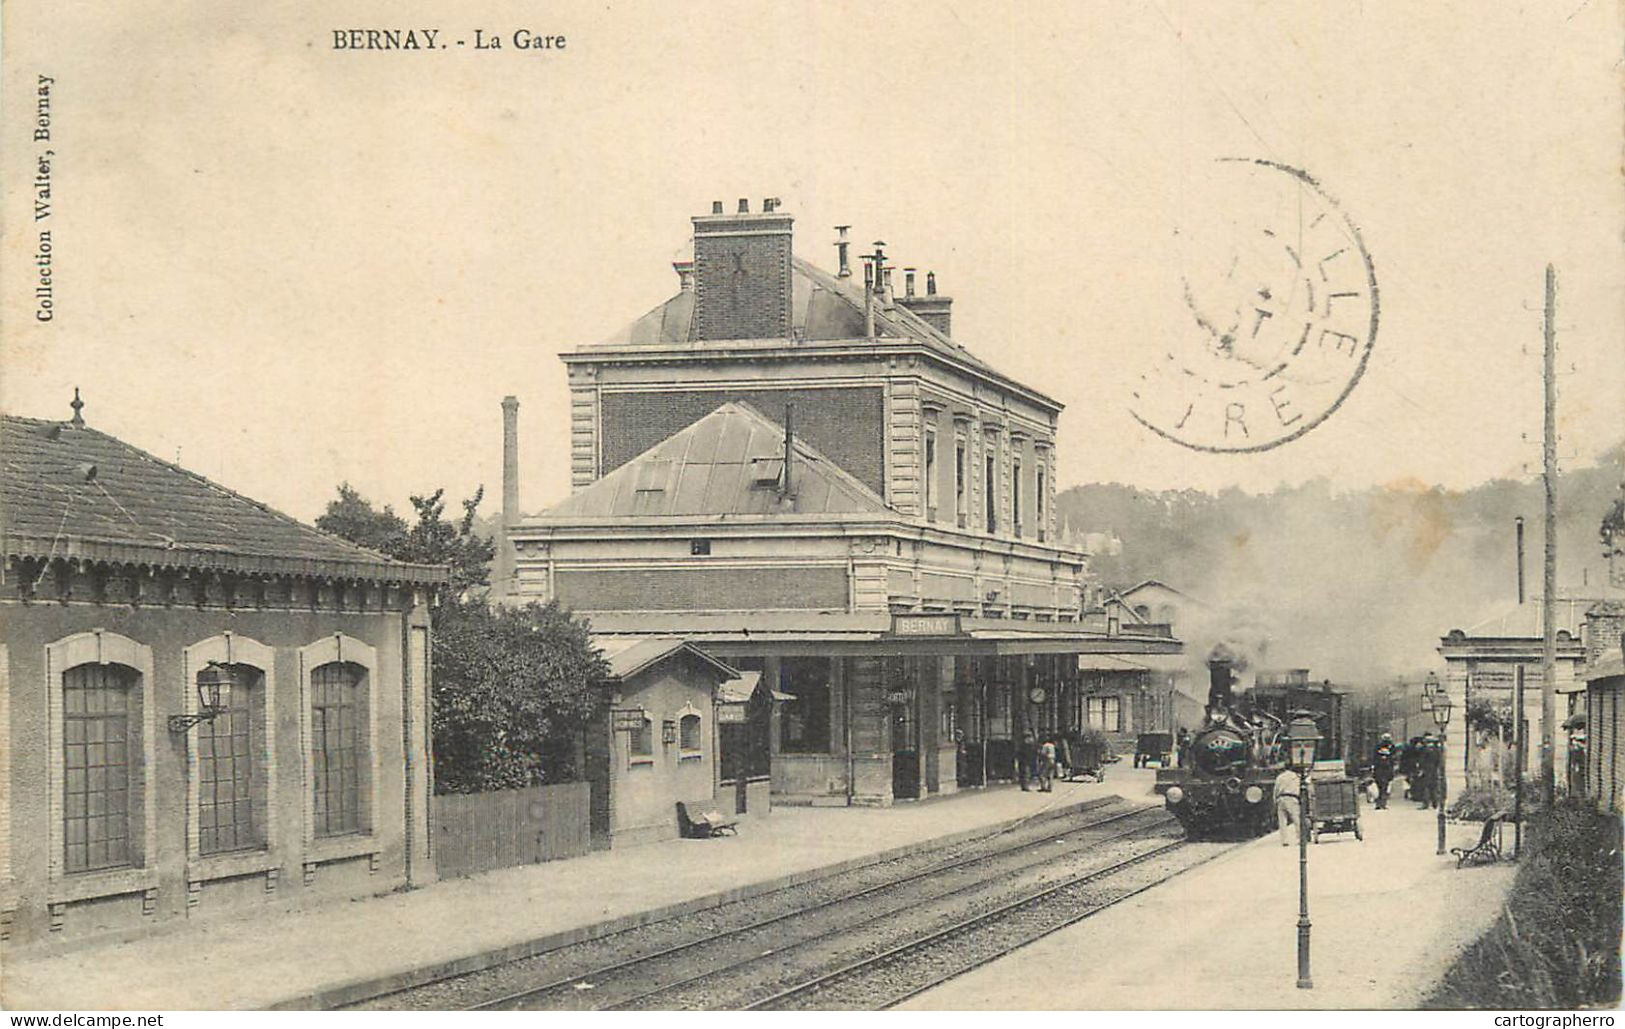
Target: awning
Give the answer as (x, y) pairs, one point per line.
(1108, 663)
(740, 690)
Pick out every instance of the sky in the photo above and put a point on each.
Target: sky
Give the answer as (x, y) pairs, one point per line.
(292, 266)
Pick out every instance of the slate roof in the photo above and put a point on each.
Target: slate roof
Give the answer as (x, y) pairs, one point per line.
(728, 463)
(822, 307)
(140, 509)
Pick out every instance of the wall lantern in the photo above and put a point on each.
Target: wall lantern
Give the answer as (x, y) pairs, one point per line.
(211, 681)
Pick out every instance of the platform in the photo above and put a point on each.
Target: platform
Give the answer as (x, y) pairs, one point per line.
(346, 951)
(1389, 917)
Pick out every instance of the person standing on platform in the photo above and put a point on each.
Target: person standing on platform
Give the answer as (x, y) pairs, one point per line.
(1184, 749)
(1383, 760)
(1025, 753)
(1287, 810)
(1046, 766)
(1427, 772)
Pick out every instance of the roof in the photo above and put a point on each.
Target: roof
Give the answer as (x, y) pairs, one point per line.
(629, 655)
(72, 491)
(1108, 663)
(728, 463)
(823, 307)
(1146, 583)
(1523, 621)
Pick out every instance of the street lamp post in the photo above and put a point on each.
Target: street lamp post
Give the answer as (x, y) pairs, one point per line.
(1437, 700)
(1302, 738)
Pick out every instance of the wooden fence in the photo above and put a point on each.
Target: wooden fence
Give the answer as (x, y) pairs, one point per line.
(476, 832)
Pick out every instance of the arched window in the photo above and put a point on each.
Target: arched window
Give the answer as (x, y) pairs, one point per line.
(341, 763)
(99, 730)
(232, 795)
(688, 734)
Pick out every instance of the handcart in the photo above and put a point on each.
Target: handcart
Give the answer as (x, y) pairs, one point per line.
(1334, 806)
(1083, 759)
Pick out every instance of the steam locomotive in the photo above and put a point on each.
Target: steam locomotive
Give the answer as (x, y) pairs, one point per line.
(1227, 783)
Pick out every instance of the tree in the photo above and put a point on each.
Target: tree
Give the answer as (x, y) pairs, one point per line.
(353, 517)
(432, 540)
(513, 691)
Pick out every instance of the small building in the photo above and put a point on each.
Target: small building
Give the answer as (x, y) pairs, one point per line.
(1604, 697)
(133, 590)
(659, 744)
(1481, 670)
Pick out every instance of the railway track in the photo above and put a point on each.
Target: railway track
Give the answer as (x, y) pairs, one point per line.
(894, 975)
(603, 972)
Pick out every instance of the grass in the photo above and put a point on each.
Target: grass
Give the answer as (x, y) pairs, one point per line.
(1556, 944)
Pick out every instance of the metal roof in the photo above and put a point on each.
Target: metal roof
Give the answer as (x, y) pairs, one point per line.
(822, 307)
(728, 463)
(71, 491)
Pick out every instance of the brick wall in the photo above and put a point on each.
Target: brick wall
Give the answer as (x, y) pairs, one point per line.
(720, 588)
(844, 423)
(742, 281)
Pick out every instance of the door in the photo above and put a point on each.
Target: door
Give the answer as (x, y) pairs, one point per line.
(905, 749)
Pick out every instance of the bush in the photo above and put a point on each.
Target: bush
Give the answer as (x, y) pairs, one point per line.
(1556, 944)
(1478, 802)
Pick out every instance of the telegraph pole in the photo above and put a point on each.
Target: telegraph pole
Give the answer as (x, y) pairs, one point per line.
(1548, 656)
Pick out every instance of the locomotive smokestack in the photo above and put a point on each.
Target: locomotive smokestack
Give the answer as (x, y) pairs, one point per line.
(1220, 678)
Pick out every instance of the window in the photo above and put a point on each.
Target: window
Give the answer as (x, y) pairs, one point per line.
(1106, 714)
(688, 735)
(339, 738)
(959, 482)
(231, 783)
(1015, 497)
(804, 721)
(640, 743)
(97, 731)
(931, 474)
(990, 492)
(1038, 505)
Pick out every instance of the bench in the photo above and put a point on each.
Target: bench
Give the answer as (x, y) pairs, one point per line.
(703, 826)
(1486, 850)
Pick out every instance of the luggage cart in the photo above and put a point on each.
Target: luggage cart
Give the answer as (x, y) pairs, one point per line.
(1334, 806)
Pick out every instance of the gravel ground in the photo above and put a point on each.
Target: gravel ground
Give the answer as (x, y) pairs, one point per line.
(585, 960)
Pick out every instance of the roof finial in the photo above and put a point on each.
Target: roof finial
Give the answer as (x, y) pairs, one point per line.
(78, 406)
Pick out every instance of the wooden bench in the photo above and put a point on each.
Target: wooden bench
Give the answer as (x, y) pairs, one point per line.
(703, 826)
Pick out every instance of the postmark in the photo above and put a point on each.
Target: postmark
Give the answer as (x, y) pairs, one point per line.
(1279, 315)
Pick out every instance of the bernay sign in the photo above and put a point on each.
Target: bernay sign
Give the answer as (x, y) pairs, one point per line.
(925, 625)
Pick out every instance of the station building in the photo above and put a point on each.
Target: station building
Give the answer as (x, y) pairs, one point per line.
(132, 589)
(810, 477)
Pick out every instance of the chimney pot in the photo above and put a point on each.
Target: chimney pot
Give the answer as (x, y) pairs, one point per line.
(78, 408)
(770, 204)
(930, 284)
(716, 207)
(908, 282)
(744, 206)
(841, 245)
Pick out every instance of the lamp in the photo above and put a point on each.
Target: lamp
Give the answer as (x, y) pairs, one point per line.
(1441, 718)
(1302, 738)
(213, 679)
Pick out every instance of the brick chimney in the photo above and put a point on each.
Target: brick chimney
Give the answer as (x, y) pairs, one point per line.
(510, 493)
(934, 308)
(742, 273)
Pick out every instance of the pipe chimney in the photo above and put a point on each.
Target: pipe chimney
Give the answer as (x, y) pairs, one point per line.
(510, 492)
(1219, 683)
(841, 245)
(1519, 523)
(908, 282)
(789, 449)
(930, 284)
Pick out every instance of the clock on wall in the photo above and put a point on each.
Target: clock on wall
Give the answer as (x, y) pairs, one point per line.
(1036, 694)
